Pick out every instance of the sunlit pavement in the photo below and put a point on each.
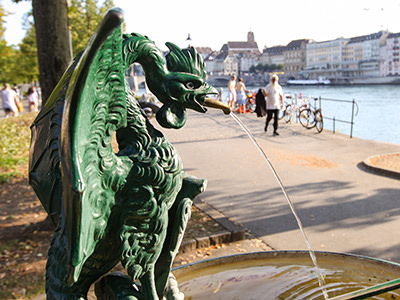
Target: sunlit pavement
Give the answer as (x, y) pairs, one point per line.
(343, 206)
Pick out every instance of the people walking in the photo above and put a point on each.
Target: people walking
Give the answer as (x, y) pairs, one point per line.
(241, 95)
(232, 92)
(10, 101)
(274, 99)
(33, 99)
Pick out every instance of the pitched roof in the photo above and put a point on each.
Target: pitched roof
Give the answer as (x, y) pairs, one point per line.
(276, 50)
(368, 37)
(394, 35)
(296, 44)
(222, 55)
(211, 56)
(204, 50)
(242, 45)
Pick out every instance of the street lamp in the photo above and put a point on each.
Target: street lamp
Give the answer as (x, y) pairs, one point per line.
(188, 40)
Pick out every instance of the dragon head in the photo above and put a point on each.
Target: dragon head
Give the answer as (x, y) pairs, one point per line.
(184, 87)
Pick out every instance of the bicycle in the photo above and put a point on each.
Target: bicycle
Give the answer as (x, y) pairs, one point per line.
(282, 111)
(310, 117)
(292, 110)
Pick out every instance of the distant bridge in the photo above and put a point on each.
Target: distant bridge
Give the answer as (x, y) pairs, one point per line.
(222, 81)
(218, 80)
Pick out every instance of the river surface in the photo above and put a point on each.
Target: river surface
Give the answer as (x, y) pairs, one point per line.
(377, 116)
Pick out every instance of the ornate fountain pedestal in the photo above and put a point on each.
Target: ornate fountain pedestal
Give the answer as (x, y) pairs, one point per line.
(284, 275)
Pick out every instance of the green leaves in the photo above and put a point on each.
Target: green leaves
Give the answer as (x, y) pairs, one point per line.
(14, 146)
(84, 15)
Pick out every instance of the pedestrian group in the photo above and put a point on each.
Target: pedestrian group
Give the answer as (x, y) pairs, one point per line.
(269, 100)
(11, 98)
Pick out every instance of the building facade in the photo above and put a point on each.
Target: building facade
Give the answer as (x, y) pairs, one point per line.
(221, 64)
(342, 59)
(324, 59)
(234, 57)
(390, 55)
(362, 55)
(273, 55)
(295, 56)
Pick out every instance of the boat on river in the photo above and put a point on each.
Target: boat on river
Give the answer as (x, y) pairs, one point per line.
(319, 81)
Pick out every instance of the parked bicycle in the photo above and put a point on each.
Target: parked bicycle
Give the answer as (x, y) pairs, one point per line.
(292, 110)
(282, 111)
(311, 117)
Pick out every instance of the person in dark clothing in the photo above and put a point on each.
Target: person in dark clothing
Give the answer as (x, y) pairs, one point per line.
(261, 109)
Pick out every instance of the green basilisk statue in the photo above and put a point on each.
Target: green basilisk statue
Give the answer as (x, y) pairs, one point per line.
(131, 206)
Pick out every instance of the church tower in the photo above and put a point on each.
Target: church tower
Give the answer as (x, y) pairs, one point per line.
(250, 36)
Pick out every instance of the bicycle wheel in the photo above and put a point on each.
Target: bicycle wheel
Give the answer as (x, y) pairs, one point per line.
(288, 113)
(319, 121)
(304, 117)
(310, 116)
(312, 122)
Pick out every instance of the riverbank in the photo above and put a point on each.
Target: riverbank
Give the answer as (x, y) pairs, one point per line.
(369, 122)
(262, 80)
(336, 103)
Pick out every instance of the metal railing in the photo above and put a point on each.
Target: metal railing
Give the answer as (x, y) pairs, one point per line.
(318, 104)
(354, 112)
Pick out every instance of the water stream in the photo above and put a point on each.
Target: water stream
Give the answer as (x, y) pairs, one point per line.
(320, 276)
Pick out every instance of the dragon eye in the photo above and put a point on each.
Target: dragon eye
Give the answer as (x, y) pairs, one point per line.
(190, 85)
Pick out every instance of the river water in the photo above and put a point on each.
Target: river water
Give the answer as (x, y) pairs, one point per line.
(378, 113)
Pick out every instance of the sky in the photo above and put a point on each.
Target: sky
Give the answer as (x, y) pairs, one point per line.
(211, 23)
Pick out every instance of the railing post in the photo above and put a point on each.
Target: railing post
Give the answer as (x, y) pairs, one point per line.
(352, 119)
(334, 127)
(296, 105)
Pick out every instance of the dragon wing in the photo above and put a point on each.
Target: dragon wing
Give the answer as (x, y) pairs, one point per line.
(95, 107)
(44, 157)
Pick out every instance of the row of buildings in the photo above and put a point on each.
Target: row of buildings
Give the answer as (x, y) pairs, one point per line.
(341, 60)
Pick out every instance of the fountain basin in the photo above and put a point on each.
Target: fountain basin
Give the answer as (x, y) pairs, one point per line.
(284, 275)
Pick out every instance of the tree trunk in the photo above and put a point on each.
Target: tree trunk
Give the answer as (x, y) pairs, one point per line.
(53, 42)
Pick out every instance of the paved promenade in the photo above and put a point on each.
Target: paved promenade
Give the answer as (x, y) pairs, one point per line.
(343, 206)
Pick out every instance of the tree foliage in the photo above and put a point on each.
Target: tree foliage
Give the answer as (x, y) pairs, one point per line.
(2, 15)
(27, 67)
(7, 59)
(20, 64)
(263, 68)
(84, 16)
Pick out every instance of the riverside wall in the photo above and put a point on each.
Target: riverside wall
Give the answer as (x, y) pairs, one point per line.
(262, 80)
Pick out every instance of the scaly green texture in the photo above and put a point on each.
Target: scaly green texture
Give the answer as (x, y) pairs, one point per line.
(132, 206)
